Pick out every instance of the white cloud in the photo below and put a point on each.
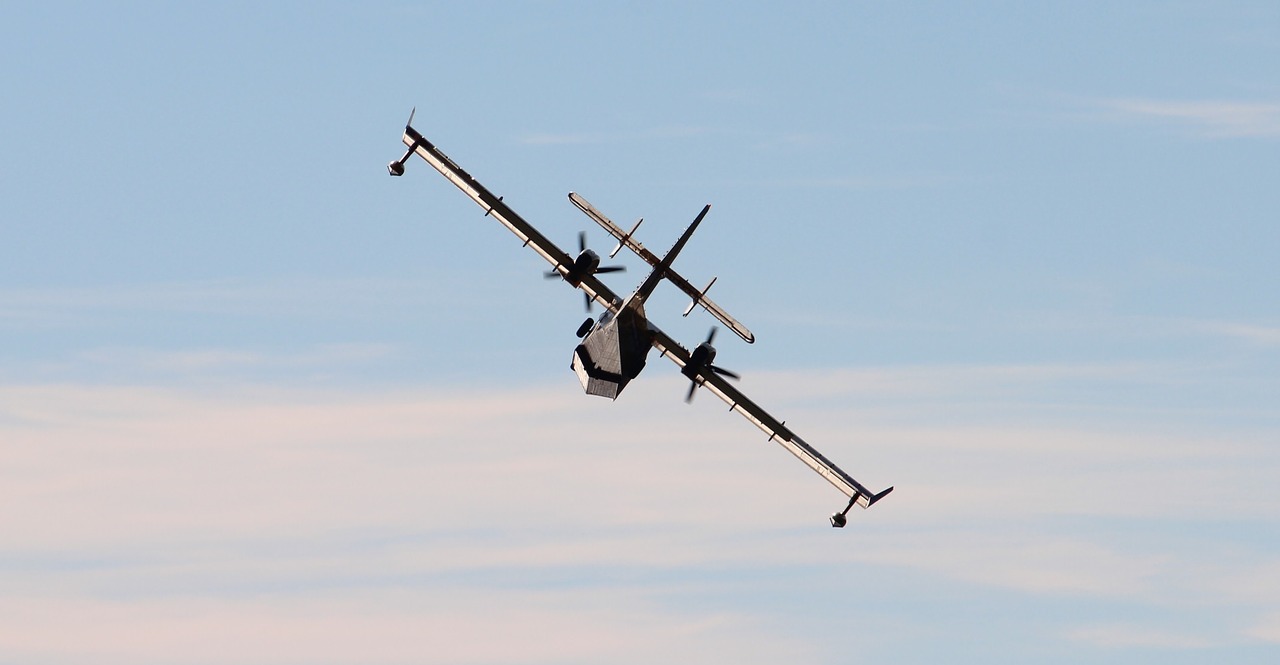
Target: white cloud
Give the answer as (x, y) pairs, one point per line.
(382, 627)
(662, 133)
(1267, 629)
(321, 355)
(1128, 636)
(1031, 562)
(862, 182)
(1255, 334)
(561, 139)
(301, 509)
(75, 305)
(1218, 119)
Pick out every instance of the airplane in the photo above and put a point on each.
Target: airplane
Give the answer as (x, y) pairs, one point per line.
(614, 348)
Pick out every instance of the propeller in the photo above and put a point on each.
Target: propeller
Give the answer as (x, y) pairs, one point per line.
(587, 264)
(702, 357)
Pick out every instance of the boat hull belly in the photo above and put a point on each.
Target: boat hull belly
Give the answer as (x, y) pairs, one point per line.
(610, 356)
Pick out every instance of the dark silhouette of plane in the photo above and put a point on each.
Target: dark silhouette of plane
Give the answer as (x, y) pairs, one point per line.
(614, 348)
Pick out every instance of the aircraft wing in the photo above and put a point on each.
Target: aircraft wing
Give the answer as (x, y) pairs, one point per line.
(777, 430)
(494, 207)
(699, 296)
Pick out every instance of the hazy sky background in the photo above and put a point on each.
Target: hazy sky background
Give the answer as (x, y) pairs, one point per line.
(262, 404)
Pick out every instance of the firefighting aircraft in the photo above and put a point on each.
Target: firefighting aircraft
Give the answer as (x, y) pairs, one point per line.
(614, 348)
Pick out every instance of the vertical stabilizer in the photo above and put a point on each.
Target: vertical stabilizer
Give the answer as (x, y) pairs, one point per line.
(660, 270)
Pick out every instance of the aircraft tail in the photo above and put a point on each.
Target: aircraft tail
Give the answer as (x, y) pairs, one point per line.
(660, 270)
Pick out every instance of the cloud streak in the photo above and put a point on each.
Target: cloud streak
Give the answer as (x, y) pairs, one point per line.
(203, 360)
(74, 306)
(1128, 635)
(422, 519)
(662, 133)
(1212, 118)
(381, 627)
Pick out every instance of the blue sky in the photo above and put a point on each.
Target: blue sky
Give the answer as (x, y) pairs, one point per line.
(263, 404)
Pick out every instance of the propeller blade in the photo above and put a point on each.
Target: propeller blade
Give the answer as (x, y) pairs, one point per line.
(586, 297)
(693, 385)
(611, 269)
(552, 274)
(582, 241)
(712, 335)
(724, 372)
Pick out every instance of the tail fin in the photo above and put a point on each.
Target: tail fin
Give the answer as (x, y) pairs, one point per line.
(660, 270)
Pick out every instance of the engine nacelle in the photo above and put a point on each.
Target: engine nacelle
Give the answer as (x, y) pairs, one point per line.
(586, 264)
(701, 357)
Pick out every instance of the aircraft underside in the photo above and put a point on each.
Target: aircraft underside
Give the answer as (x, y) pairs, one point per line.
(612, 354)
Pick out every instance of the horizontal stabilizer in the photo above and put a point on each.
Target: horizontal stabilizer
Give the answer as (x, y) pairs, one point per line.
(627, 239)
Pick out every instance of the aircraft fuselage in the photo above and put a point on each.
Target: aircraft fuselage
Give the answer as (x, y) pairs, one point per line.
(614, 351)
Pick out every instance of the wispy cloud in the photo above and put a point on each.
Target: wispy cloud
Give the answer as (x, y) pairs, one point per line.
(322, 355)
(1128, 635)
(1268, 629)
(662, 133)
(866, 182)
(562, 139)
(1214, 118)
(395, 516)
(383, 626)
(1255, 334)
(70, 305)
